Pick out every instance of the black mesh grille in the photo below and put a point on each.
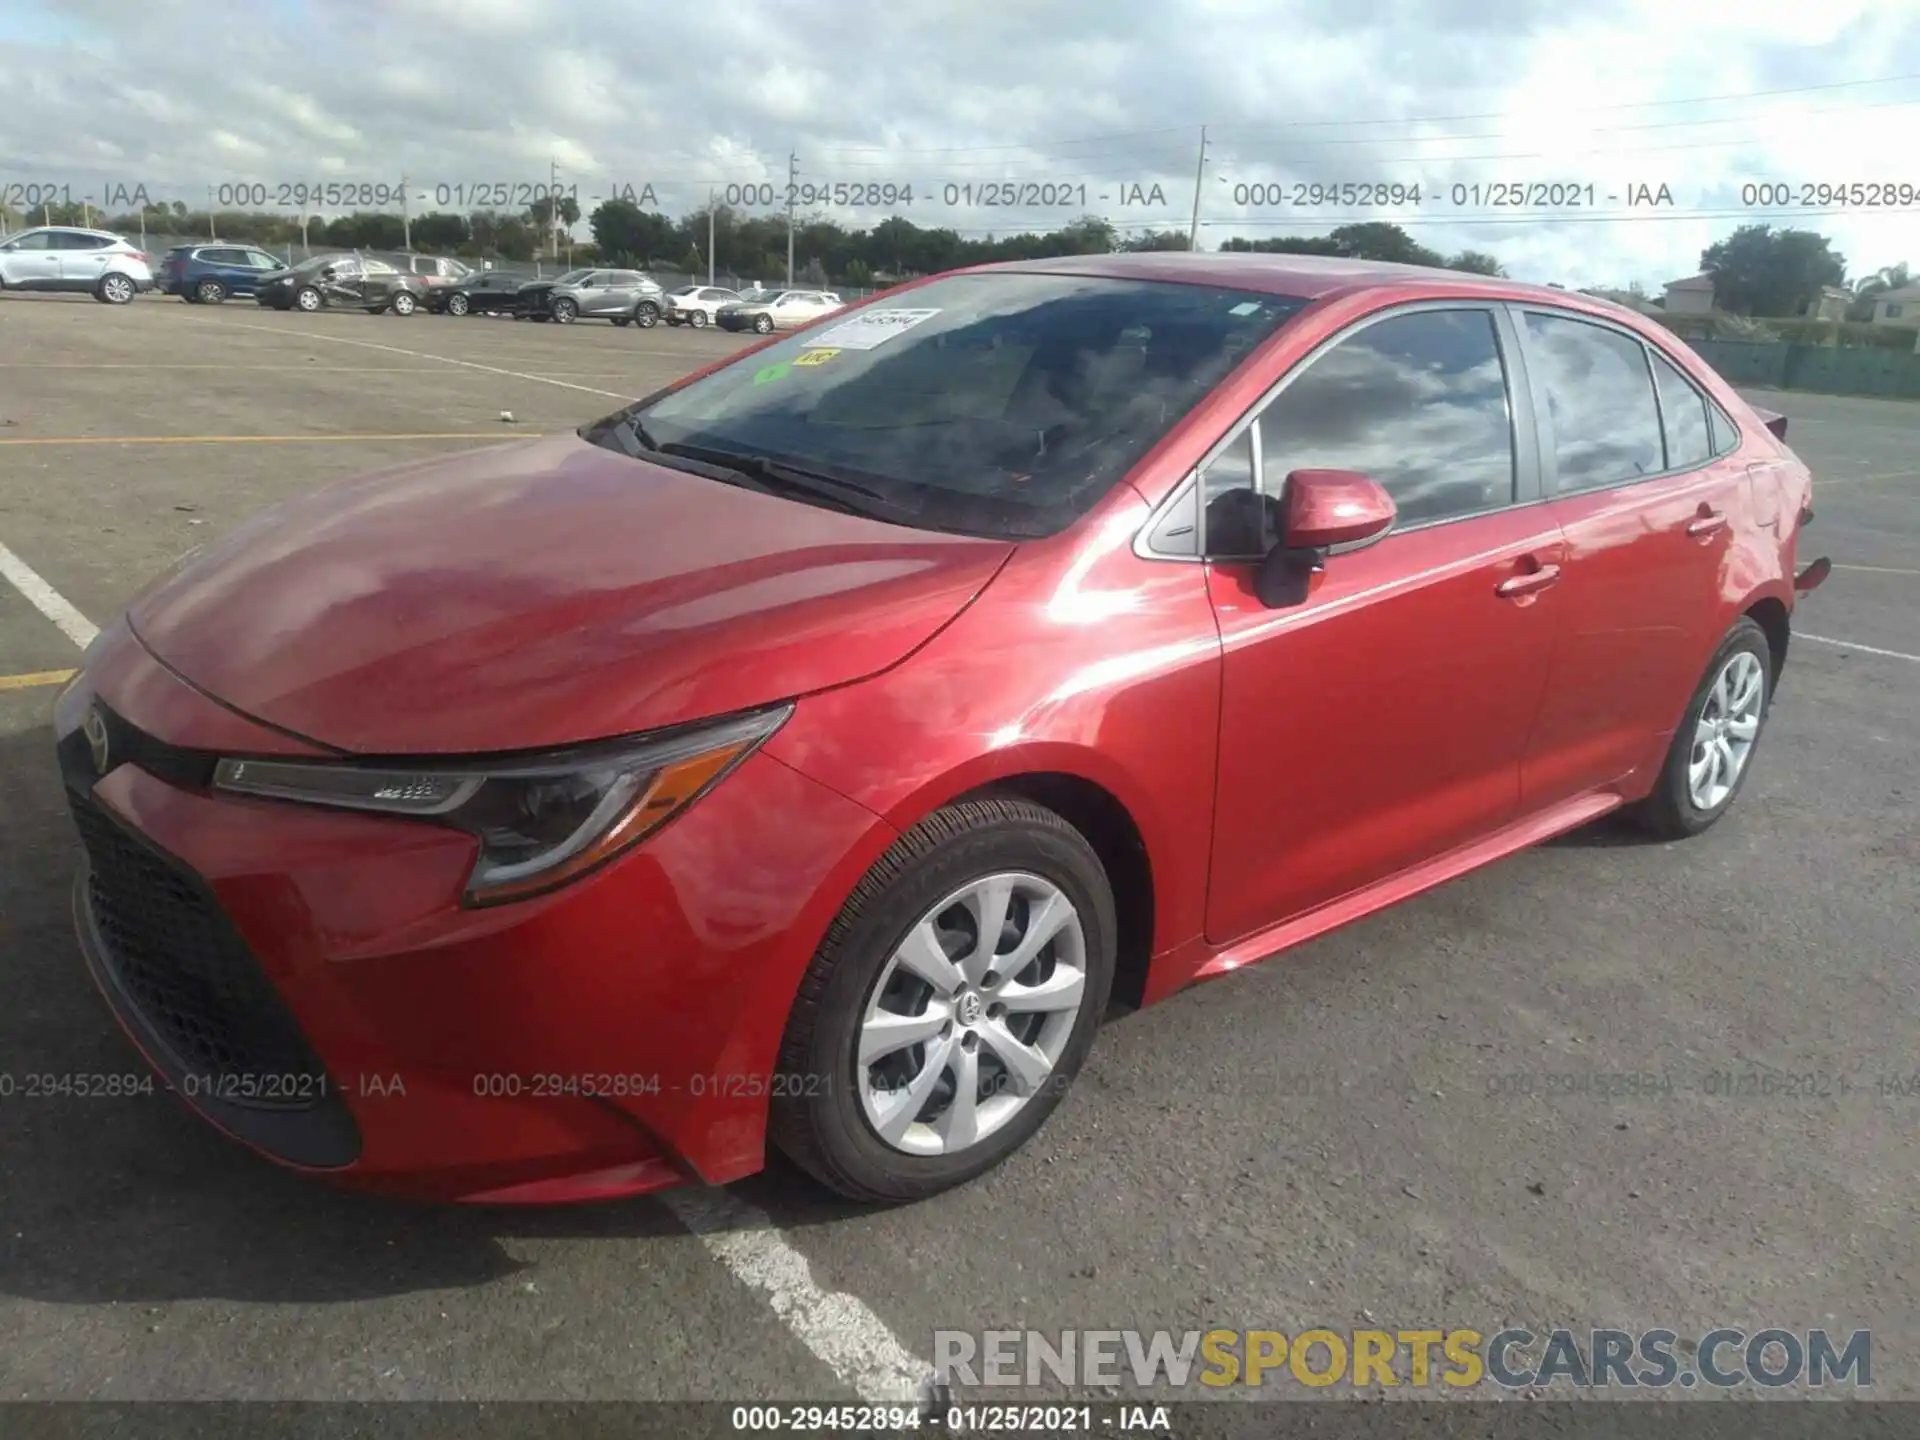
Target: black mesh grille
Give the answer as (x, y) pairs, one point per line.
(188, 972)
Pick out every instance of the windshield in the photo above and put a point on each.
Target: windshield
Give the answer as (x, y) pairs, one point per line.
(760, 297)
(1001, 403)
(573, 277)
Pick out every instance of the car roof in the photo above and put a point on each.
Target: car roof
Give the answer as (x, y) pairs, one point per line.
(1303, 277)
(65, 230)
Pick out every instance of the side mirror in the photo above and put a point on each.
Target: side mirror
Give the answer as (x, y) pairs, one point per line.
(1319, 509)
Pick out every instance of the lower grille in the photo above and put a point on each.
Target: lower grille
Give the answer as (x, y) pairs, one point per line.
(186, 970)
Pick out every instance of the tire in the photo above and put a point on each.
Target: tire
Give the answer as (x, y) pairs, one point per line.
(210, 292)
(822, 1113)
(1677, 807)
(308, 299)
(763, 324)
(459, 305)
(565, 312)
(115, 289)
(403, 303)
(646, 314)
(698, 320)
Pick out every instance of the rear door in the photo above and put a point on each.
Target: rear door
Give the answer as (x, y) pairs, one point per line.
(82, 258)
(1380, 721)
(621, 294)
(1629, 463)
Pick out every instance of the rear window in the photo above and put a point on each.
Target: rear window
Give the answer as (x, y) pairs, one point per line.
(999, 404)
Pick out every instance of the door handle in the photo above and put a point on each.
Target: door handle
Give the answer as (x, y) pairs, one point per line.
(1528, 583)
(1706, 523)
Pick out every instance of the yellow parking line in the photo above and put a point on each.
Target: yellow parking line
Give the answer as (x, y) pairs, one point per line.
(37, 677)
(500, 434)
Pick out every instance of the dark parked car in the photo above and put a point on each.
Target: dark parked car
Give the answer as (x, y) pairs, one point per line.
(484, 292)
(852, 719)
(208, 274)
(343, 282)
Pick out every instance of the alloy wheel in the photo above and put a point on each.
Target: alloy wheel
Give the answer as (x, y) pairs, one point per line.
(971, 1013)
(1725, 732)
(457, 305)
(117, 289)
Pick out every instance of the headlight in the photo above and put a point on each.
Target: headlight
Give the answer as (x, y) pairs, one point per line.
(541, 821)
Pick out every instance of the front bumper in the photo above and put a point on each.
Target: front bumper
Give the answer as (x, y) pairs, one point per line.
(307, 981)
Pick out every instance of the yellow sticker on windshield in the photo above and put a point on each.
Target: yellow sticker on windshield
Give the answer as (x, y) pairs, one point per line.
(816, 357)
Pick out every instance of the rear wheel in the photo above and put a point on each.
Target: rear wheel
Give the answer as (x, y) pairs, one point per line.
(210, 292)
(622, 320)
(403, 304)
(646, 314)
(698, 320)
(564, 311)
(115, 289)
(951, 1004)
(1712, 751)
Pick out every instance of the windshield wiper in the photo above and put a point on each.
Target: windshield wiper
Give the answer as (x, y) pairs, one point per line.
(777, 475)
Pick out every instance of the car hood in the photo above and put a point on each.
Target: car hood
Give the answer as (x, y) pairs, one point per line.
(543, 593)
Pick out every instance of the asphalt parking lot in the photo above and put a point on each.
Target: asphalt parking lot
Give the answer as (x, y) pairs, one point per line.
(1372, 1130)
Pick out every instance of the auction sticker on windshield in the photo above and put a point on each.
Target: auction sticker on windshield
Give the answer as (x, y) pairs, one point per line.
(870, 328)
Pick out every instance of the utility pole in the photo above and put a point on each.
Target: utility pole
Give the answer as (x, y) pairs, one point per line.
(406, 219)
(211, 235)
(793, 180)
(553, 205)
(710, 203)
(1199, 174)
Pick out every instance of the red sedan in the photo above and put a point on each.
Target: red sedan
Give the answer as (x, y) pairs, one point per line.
(809, 754)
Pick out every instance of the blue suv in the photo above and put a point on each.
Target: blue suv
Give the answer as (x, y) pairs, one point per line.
(207, 274)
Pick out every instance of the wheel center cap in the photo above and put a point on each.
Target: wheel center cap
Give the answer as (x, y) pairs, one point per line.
(970, 1009)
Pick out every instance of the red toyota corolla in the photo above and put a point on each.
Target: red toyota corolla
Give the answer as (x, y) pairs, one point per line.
(808, 753)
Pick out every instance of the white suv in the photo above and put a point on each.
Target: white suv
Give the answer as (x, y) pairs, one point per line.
(64, 257)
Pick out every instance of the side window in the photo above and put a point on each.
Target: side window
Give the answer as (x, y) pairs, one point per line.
(1606, 426)
(1417, 401)
(220, 257)
(1684, 410)
(1726, 434)
(76, 240)
(38, 240)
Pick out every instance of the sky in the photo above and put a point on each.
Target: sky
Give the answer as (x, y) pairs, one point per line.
(1102, 100)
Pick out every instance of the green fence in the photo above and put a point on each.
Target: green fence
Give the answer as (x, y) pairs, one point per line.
(1825, 369)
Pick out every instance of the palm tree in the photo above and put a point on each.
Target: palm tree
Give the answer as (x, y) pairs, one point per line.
(1888, 277)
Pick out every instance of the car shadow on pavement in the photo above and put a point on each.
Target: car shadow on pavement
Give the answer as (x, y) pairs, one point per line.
(131, 1198)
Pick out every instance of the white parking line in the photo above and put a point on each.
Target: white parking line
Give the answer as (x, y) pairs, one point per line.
(838, 1328)
(1879, 569)
(422, 355)
(1854, 645)
(47, 600)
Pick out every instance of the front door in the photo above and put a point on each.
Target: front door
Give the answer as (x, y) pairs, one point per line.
(31, 262)
(1381, 721)
(1648, 510)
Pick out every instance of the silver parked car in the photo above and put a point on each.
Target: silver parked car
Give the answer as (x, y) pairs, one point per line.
(622, 296)
(66, 257)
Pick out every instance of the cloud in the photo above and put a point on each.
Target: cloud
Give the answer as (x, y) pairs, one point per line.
(1446, 93)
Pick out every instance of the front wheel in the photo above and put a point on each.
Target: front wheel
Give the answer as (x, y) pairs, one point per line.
(308, 299)
(950, 1006)
(564, 311)
(1713, 749)
(458, 305)
(763, 324)
(115, 289)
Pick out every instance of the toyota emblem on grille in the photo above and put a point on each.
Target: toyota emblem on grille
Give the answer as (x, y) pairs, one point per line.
(95, 728)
